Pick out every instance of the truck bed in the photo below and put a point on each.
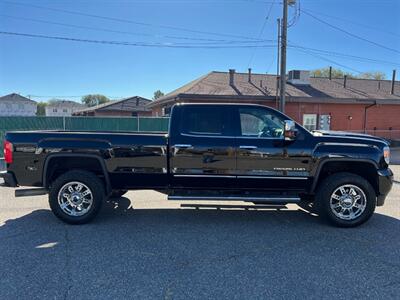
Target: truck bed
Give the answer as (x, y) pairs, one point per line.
(33, 149)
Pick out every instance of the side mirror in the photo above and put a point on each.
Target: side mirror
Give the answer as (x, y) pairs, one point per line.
(290, 130)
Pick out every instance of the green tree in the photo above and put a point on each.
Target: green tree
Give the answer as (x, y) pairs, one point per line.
(336, 73)
(94, 99)
(41, 109)
(157, 94)
(372, 75)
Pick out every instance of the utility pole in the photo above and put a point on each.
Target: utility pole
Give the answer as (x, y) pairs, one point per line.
(283, 57)
(277, 60)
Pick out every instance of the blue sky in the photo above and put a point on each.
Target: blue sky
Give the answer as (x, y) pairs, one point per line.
(44, 67)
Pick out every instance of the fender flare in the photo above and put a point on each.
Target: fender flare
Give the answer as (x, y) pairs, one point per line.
(321, 165)
(99, 159)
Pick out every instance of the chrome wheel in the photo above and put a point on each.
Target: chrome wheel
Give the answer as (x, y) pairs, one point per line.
(75, 199)
(348, 202)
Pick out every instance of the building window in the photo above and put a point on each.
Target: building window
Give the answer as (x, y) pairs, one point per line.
(65, 110)
(8, 105)
(21, 106)
(54, 109)
(310, 121)
(166, 111)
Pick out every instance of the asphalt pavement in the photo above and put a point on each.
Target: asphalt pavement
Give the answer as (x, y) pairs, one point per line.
(145, 247)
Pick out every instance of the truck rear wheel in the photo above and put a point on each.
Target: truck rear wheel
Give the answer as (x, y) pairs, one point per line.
(76, 197)
(346, 200)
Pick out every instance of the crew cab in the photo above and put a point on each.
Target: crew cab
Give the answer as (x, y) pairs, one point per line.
(232, 152)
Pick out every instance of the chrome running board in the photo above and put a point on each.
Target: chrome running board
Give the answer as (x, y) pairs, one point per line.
(249, 198)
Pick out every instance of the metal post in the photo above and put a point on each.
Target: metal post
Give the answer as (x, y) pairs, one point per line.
(277, 61)
(283, 57)
(64, 122)
(138, 123)
(393, 81)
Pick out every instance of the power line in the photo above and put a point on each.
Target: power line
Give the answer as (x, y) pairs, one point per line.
(261, 31)
(349, 33)
(169, 45)
(328, 60)
(173, 1)
(127, 21)
(381, 30)
(132, 33)
(135, 44)
(296, 15)
(343, 55)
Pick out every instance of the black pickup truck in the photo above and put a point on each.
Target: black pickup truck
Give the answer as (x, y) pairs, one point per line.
(226, 152)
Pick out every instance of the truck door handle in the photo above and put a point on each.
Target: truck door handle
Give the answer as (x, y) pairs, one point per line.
(248, 147)
(183, 146)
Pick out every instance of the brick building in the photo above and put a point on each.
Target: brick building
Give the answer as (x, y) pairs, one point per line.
(128, 107)
(362, 105)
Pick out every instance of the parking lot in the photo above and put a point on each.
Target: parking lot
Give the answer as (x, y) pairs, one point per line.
(143, 246)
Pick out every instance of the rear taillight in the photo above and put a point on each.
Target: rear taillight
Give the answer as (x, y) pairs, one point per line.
(8, 152)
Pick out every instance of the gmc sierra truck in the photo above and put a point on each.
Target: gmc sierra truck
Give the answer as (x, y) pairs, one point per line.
(232, 152)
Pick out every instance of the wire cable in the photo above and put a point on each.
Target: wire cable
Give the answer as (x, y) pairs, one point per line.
(261, 32)
(126, 20)
(328, 60)
(129, 32)
(381, 30)
(349, 33)
(343, 55)
(136, 44)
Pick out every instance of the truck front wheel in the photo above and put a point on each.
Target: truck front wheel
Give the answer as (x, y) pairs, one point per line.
(76, 196)
(346, 200)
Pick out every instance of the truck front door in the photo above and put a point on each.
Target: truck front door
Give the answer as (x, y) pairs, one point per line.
(202, 147)
(264, 159)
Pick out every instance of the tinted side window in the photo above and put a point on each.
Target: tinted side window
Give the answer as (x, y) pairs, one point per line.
(259, 122)
(205, 120)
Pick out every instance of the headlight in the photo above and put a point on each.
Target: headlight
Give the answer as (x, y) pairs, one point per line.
(386, 154)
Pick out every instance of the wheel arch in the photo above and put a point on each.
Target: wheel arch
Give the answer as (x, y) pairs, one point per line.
(362, 167)
(73, 161)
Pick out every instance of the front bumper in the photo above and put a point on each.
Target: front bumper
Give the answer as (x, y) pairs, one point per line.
(385, 183)
(9, 179)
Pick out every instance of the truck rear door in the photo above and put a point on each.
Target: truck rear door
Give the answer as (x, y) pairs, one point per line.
(202, 147)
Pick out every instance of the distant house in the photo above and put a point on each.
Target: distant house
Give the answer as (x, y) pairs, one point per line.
(17, 105)
(128, 107)
(62, 108)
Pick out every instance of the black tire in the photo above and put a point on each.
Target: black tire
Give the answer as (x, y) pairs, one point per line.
(331, 185)
(117, 193)
(89, 180)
